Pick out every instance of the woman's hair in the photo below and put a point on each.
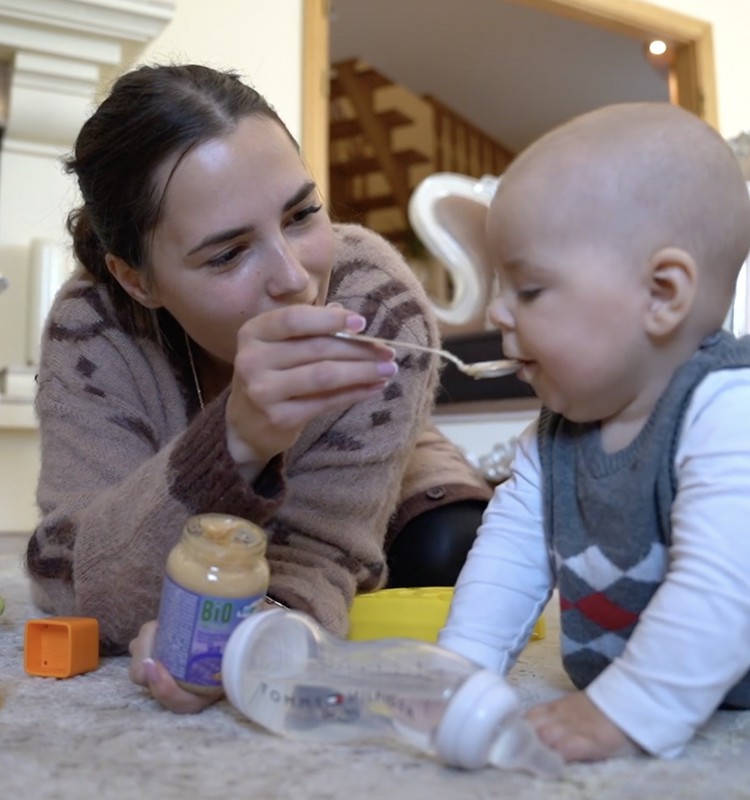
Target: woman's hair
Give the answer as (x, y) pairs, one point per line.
(151, 114)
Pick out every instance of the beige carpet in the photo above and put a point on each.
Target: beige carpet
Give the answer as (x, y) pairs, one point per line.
(99, 736)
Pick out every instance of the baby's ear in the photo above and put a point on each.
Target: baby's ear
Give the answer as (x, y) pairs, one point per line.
(673, 278)
(132, 280)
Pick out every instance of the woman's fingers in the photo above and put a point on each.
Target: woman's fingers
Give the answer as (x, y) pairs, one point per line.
(256, 357)
(299, 321)
(290, 368)
(290, 398)
(273, 346)
(298, 335)
(166, 691)
(141, 648)
(319, 378)
(144, 671)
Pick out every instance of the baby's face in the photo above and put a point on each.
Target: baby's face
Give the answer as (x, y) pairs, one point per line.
(571, 305)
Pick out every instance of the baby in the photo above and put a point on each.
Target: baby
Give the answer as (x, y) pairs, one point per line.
(617, 239)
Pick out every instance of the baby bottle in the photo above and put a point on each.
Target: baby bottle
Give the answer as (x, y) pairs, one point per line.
(287, 674)
(216, 575)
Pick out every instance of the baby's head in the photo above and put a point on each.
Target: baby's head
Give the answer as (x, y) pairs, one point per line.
(620, 233)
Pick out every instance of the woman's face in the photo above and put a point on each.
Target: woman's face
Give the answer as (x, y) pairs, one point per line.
(243, 231)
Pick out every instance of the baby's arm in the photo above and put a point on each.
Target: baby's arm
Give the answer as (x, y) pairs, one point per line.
(690, 645)
(499, 595)
(507, 580)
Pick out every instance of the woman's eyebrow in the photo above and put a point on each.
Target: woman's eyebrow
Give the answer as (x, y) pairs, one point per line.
(221, 236)
(231, 233)
(307, 188)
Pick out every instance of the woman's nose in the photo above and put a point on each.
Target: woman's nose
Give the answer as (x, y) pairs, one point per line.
(287, 274)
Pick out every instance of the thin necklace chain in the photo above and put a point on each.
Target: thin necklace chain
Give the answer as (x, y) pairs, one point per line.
(194, 371)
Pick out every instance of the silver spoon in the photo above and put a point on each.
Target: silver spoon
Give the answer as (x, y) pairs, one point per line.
(478, 370)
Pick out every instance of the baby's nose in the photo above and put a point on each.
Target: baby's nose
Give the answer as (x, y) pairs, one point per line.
(500, 315)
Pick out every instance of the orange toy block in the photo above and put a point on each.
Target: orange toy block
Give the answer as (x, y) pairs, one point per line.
(60, 647)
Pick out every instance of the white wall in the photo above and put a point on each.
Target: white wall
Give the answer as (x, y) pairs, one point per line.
(730, 20)
(261, 39)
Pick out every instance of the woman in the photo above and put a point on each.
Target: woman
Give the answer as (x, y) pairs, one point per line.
(190, 366)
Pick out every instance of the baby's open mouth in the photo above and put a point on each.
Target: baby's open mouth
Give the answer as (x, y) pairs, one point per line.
(524, 368)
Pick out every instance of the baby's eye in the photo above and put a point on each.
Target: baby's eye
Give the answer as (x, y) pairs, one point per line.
(528, 294)
(304, 213)
(225, 258)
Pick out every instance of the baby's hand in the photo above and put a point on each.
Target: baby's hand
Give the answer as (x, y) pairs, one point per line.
(578, 731)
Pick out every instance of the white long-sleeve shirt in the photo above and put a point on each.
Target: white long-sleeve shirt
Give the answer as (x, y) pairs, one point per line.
(692, 642)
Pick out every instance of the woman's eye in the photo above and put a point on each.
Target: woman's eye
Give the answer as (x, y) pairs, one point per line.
(225, 258)
(304, 213)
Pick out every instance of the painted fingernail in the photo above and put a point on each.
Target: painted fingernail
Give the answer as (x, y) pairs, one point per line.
(356, 323)
(387, 369)
(150, 670)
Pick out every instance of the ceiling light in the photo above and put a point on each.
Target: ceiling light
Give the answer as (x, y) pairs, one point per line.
(659, 54)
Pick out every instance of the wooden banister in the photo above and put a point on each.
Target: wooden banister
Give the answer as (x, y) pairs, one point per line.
(370, 179)
(361, 98)
(460, 146)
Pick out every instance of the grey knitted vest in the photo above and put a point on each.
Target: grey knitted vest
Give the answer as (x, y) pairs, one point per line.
(607, 517)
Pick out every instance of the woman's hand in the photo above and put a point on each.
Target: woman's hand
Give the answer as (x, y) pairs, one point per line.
(289, 369)
(145, 671)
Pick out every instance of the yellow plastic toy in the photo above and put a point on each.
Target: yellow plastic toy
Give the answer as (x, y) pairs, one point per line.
(406, 613)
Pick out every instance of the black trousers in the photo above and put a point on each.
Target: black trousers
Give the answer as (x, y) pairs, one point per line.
(431, 548)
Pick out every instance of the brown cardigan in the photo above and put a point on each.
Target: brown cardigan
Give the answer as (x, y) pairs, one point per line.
(127, 456)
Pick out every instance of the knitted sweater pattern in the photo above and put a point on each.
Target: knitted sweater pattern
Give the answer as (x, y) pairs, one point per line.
(608, 517)
(127, 456)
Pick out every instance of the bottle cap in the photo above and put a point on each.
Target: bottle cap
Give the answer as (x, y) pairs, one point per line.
(267, 645)
(473, 719)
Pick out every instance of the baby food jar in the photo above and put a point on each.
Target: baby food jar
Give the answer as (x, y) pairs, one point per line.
(216, 575)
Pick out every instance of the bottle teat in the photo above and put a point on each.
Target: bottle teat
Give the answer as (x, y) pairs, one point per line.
(483, 725)
(518, 747)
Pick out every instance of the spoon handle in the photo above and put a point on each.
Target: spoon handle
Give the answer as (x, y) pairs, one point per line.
(482, 369)
(363, 337)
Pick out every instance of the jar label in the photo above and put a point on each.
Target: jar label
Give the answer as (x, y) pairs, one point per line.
(193, 630)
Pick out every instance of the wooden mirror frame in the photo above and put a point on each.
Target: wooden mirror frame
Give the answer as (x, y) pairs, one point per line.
(694, 60)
